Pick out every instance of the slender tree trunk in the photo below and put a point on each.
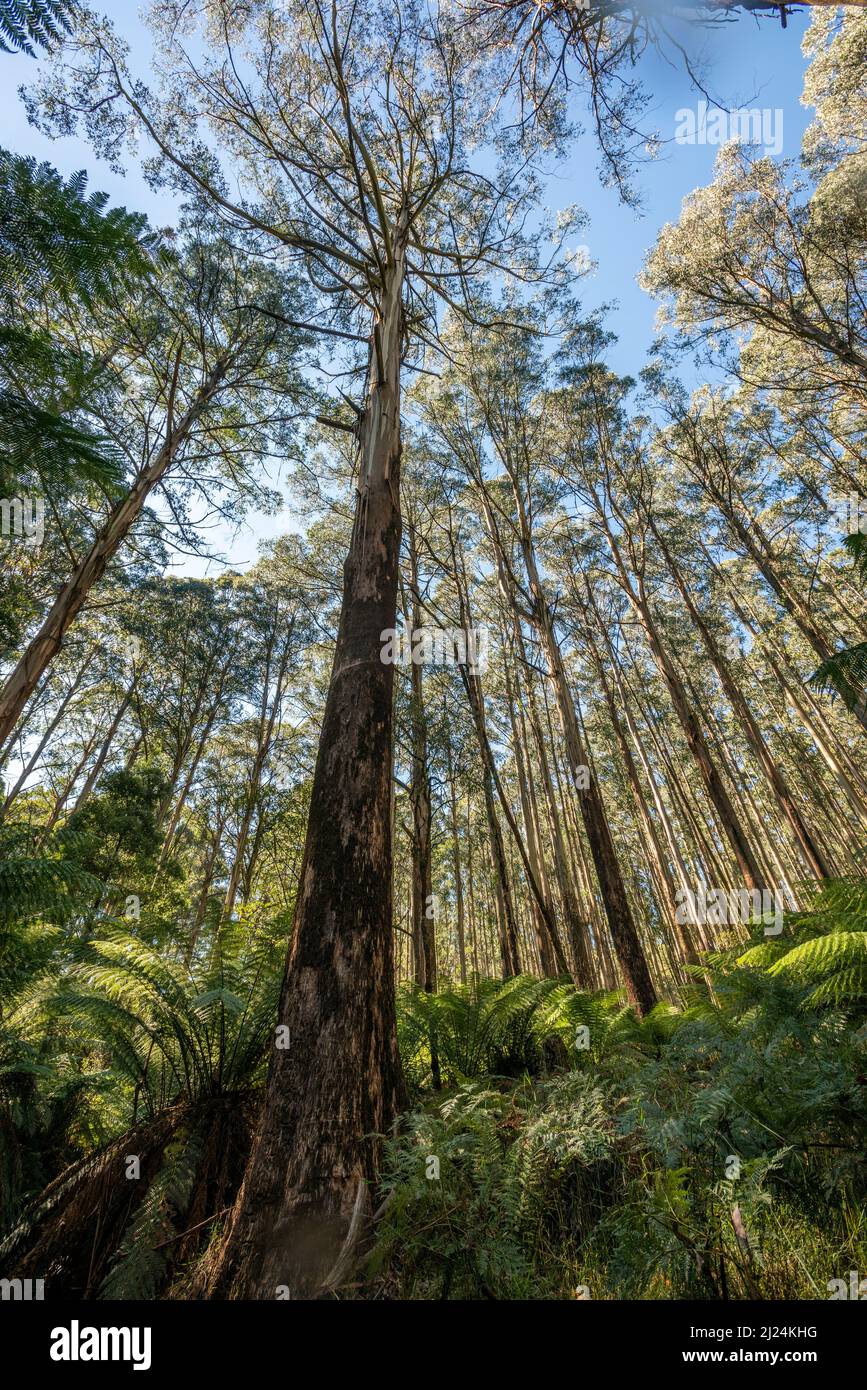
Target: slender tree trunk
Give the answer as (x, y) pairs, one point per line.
(100, 759)
(269, 713)
(810, 850)
(576, 925)
(456, 859)
(756, 544)
(72, 597)
(64, 795)
(713, 782)
(546, 955)
(665, 881)
(33, 760)
(183, 795)
(627, 944)
(506, 923)
(204, 892)
(508, 932)
(424, 921)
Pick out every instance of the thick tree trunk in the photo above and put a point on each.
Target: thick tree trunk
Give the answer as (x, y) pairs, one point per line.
(335, 1080)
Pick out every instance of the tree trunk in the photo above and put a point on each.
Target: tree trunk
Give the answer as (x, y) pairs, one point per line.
(424, 923)
(33, 760)
(456, 859)
(105, 749)
(90, 569)
(809, 848)
(627, 944)
(335, 1081)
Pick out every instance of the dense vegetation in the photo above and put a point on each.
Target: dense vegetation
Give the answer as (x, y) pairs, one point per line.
(572, 890)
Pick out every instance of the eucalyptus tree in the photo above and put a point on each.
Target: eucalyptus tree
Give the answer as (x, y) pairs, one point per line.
(449, 547)
(707, 441)
(68, 684)
(767, 271)
(753, 254)
(688, 589)
(64, 259)
(487, 411)
(765, 266)
(420, 793)
(185, 635)
(548, 53)
(603, 457)
(204, 371)
(271, 629)
(358, 135)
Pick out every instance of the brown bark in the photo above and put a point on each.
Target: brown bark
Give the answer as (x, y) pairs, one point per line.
(338, 1084)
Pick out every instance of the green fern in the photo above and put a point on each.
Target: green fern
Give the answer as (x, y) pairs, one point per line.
(27, 22)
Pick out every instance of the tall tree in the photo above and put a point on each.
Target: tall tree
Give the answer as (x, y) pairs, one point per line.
(352, 127)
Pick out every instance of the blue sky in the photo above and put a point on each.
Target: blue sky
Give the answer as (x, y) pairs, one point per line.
(746, 63)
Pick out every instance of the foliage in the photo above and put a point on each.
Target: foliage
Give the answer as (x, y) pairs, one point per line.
(27, 22)
(677, 1158)
(361, 249)
(845, 673)
(157, 1059)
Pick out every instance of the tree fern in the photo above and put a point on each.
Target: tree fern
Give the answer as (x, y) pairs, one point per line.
(186, 1048)
(27, 22)
(835, 966)
(54, 236)
(140, 1264)
(58, 247)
